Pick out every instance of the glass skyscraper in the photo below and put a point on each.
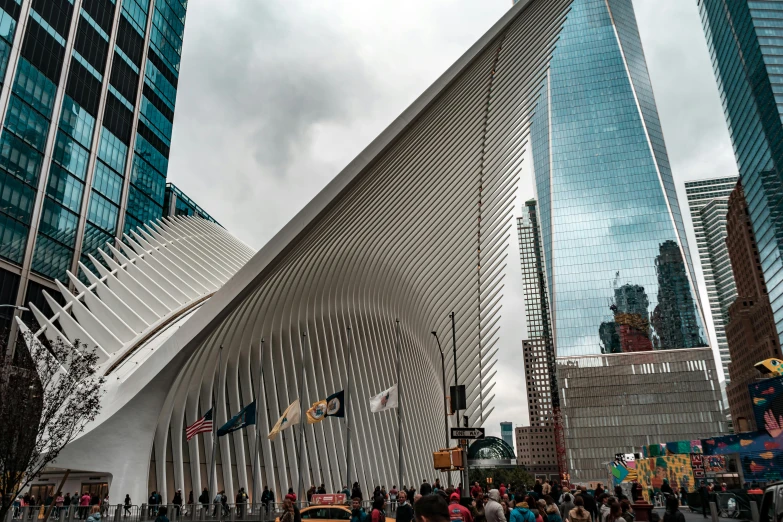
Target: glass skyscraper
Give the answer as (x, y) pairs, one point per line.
(87, 104)
(619, 271)
(708, 200)
(746, 45)
(177, 203)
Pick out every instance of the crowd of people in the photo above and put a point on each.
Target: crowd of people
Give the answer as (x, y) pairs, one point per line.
(86, 506)
(544, 501)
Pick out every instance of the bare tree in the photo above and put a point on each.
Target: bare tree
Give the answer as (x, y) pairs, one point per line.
(47, 396)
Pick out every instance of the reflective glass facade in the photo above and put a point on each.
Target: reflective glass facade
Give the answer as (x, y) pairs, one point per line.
(86, 128)
(746, 46)
(618, 268)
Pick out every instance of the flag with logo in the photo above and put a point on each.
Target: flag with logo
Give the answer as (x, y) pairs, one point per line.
(335, 404)
(290, 416)
(244, 418)
(332, 406)
(385, 400)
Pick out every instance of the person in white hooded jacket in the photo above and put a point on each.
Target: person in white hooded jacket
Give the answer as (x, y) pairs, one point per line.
(493, 511)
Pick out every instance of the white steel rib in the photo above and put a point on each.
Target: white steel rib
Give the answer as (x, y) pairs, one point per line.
(412, 229)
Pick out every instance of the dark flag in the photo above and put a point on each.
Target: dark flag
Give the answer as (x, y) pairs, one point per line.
(335, 404)
(245, 417)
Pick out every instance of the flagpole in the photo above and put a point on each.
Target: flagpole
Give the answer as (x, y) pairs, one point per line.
(213, 468)
(347, 415)
(399, 409)
(256, 456)
(302, 420)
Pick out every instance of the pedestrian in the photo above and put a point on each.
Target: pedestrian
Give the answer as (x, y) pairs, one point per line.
(216, 502)
(537, 489)
(310, 493)
(265, 498)
(162, 514)
(599, 490)
(603, 509)
(95, 514)
(203, 499)
(704, 497)
(477, 509)
(628, 515)
(673, 513)
(436, 486)
(393, 493)
(425, 488)
(579, 513)
(412, 494)
(522, 513)
(546, 488)
(636, 491)
(666, 488)
(84, 505)
(459, 489)
(59, 500)
(347, 492)
(127, 505)
(291, 495)
(358, 514)
(431, 508)
(457, 511)
(553, 514)
(377, 514)
(493, 510)
(404, 509)
(177, 501)
(224, 503)
(616, 513)
(356, 491)
(566, 505)
(288, 511)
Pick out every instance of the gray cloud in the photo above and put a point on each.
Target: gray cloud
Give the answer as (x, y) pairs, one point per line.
(277, 96)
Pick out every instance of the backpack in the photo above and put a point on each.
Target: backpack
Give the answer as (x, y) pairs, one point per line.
(381, 515)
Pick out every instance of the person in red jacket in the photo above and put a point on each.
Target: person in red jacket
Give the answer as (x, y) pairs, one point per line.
(458, 512)
(502, 490)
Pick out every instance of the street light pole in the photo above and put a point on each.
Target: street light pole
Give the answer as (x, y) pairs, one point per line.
(443, 372)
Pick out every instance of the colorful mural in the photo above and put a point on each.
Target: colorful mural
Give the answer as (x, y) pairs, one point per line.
(759, 454)
(680, 447)
(676, 469)
(767, 397)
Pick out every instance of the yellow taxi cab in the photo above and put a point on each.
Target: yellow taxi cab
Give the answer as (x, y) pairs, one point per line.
(328, 508)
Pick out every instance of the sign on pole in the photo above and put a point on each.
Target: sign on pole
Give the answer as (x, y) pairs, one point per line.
(467, 433)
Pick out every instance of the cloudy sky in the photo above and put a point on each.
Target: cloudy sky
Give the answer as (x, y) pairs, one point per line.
(277, 96)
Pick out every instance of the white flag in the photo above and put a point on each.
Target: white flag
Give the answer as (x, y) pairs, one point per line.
(385, 400)
(291, 416)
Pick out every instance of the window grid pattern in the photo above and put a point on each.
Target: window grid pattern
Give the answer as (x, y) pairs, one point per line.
(56, 240)
(605, 193)
(744, 41)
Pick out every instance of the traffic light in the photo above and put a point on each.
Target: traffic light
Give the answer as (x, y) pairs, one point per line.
(449, 459)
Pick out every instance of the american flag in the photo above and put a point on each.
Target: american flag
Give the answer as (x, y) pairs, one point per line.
(203, 425)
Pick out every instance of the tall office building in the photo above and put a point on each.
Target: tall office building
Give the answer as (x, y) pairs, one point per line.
(708, 201)
(609, 211)
(536, 443)
(745, 40)
(750, 331)
(507, 433)
(618, 268)
(87, 104)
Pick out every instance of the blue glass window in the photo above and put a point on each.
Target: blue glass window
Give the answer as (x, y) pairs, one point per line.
(16, 198)
(13, 239)
(155, 120)
(65, 188)
(51, 259)
(19, 158)
(112, 150)
(34, 88)
(70, 155)
(58, 223)
(107, 182)
(148, 180)
(102, 212)
(26, 123)
(77, 122)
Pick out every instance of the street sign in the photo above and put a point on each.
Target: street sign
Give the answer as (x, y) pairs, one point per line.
(467, 433)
